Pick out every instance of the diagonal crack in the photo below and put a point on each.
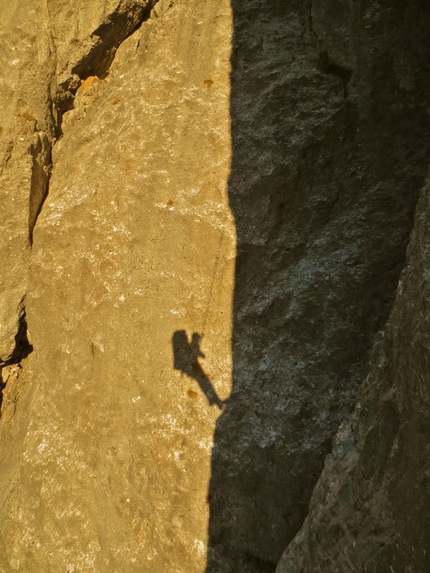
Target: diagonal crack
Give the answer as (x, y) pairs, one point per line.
(103, 42)
(107, 38)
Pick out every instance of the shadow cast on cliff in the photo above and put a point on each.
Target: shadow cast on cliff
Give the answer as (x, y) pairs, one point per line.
(311, 177)
(186, 359)
(248, 510)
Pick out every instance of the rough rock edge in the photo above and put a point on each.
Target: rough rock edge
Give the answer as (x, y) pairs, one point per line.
(365, 535)
(21, 350)
(104, 43)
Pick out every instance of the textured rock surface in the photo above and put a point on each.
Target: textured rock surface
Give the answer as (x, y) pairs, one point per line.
(330, 131)
(370, 510)
(131, 160)
(105, 447)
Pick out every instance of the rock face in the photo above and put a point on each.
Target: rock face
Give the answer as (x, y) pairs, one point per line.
(330, 132)
(205, 212)
(370, 509)
(107, 425)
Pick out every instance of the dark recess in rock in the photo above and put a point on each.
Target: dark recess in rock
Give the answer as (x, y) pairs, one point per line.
(328, 66)
(22, 349)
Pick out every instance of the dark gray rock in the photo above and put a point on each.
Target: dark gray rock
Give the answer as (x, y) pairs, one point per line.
(370, 510)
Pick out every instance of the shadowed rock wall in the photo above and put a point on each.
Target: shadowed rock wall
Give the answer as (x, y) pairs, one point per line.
(370, 509)
(329, 108)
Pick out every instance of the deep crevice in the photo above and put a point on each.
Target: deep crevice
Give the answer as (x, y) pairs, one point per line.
(22, 345)
(41, 151)
(109, 36)
(106, 40)
(97, 62)
(22, 349)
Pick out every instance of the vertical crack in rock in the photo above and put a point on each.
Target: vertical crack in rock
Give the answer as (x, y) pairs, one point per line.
(22, 349)
(96, 63)
(22, 345)
(41, 171)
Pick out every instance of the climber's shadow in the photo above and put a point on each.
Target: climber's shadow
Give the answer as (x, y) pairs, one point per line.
(185, 359)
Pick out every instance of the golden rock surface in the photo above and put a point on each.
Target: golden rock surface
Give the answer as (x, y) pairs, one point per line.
(204, 213)
(110, 462)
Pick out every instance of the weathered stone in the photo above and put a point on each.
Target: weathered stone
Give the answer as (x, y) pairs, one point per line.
(370, 509)
(25, 133)
(11, 308)
(138, 140)
(135, 242)
(330, 131)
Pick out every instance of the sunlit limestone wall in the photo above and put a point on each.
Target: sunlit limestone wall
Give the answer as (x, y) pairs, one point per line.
(105, 448)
